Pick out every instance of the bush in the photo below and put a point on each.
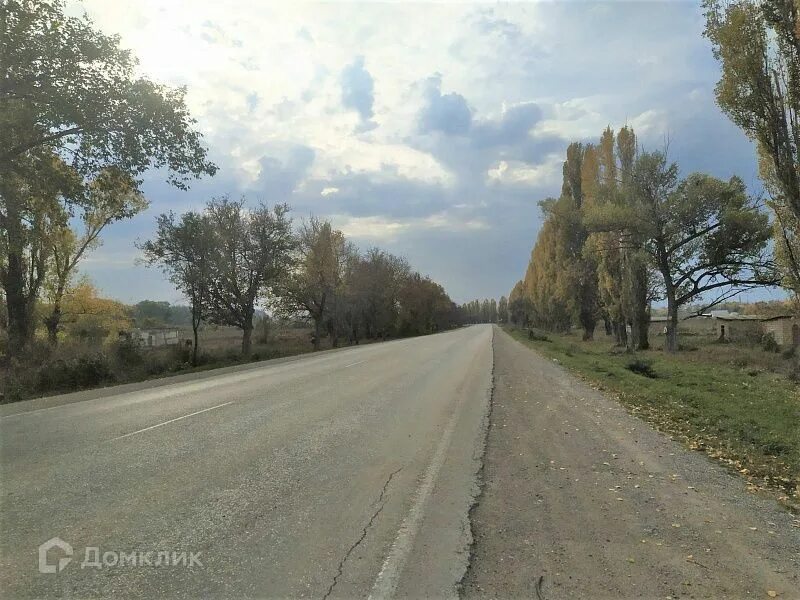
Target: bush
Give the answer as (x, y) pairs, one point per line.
(642, 366)
(768, 343)
(75, 374)
(127, 352)
(534, 334)
(794, 373)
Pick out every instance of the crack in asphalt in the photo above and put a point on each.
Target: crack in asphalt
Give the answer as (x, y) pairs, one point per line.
(381, 502)
(479, 477)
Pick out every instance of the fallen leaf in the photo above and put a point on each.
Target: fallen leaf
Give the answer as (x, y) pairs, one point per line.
(772, 593)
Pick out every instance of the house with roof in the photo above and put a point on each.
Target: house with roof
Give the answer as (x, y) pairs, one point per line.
(784, 328)
(734, 327)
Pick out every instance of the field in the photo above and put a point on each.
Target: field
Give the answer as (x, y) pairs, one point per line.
(736, 403)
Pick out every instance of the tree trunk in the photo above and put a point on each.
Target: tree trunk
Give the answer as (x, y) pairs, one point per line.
(671, 344)
(53, 320)
(642, 322)
(622, 333)
(332, 334)
(20, 330)
(317, 332)
(609, 329)
(195, 327)
(247, 337)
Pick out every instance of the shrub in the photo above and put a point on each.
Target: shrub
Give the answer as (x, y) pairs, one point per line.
(534, 334)
(127, 352)
(75, 373)
(768, 343)
(794, 373)
(642, 366)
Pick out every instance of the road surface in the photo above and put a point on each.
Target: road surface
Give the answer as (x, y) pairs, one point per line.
(342, 474)
(355, 473)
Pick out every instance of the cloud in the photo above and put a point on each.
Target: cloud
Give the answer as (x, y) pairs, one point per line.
(358, 92)
(519, 173)
(448, 113)
(438, 129)
(383, 229)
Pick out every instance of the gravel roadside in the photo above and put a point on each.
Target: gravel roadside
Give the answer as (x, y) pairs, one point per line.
(582, 500)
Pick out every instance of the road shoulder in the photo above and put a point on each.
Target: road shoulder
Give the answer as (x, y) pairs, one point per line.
(581, 499)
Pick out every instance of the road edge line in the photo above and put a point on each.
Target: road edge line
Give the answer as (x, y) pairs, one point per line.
(480, 479)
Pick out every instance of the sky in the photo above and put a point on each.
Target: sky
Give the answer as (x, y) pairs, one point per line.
(429, 130)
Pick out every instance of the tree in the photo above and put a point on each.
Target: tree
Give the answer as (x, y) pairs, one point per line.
(112, 196)
(31, 220)
(502, 310)
(184, 249)
(703, 234)
(561, 280)
(72, 107)
(315, 285)
(519, 308)
(579, 181)
(252, 256)
(758, 44)
(623, 271)
(90, 318)
(376, 282)
(424, 306)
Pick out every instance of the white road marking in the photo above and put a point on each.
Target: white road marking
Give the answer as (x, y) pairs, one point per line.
(168, 422)
(30, 412)
(354, 364)
(386, 583)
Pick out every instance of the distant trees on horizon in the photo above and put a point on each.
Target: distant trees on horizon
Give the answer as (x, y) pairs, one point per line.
(231, 258)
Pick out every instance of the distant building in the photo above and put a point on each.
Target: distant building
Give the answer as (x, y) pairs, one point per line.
(696, 324)
(784, 328)
(155, 337)
(737, 328)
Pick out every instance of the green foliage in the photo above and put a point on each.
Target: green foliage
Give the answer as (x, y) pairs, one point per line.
(535, 334)
(250, 255)
(757, 44)
(769, 344)
(75, 374)
(79, 128)
(486, 311)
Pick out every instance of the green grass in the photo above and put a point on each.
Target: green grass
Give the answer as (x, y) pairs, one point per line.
(735, 408)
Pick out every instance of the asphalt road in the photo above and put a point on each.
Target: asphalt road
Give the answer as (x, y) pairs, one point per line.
(340, 474)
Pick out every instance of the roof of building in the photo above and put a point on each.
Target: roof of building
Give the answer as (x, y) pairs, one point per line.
(776, 318)
(740, 318)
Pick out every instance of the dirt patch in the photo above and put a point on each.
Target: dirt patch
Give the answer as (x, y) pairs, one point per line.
(581, 499)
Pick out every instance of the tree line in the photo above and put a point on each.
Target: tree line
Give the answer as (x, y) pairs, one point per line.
(76, 142)
(627, 230)
(231, 258)
(484, 311)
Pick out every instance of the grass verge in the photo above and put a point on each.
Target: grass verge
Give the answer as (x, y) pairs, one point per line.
(74, 367)
(748, 419)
